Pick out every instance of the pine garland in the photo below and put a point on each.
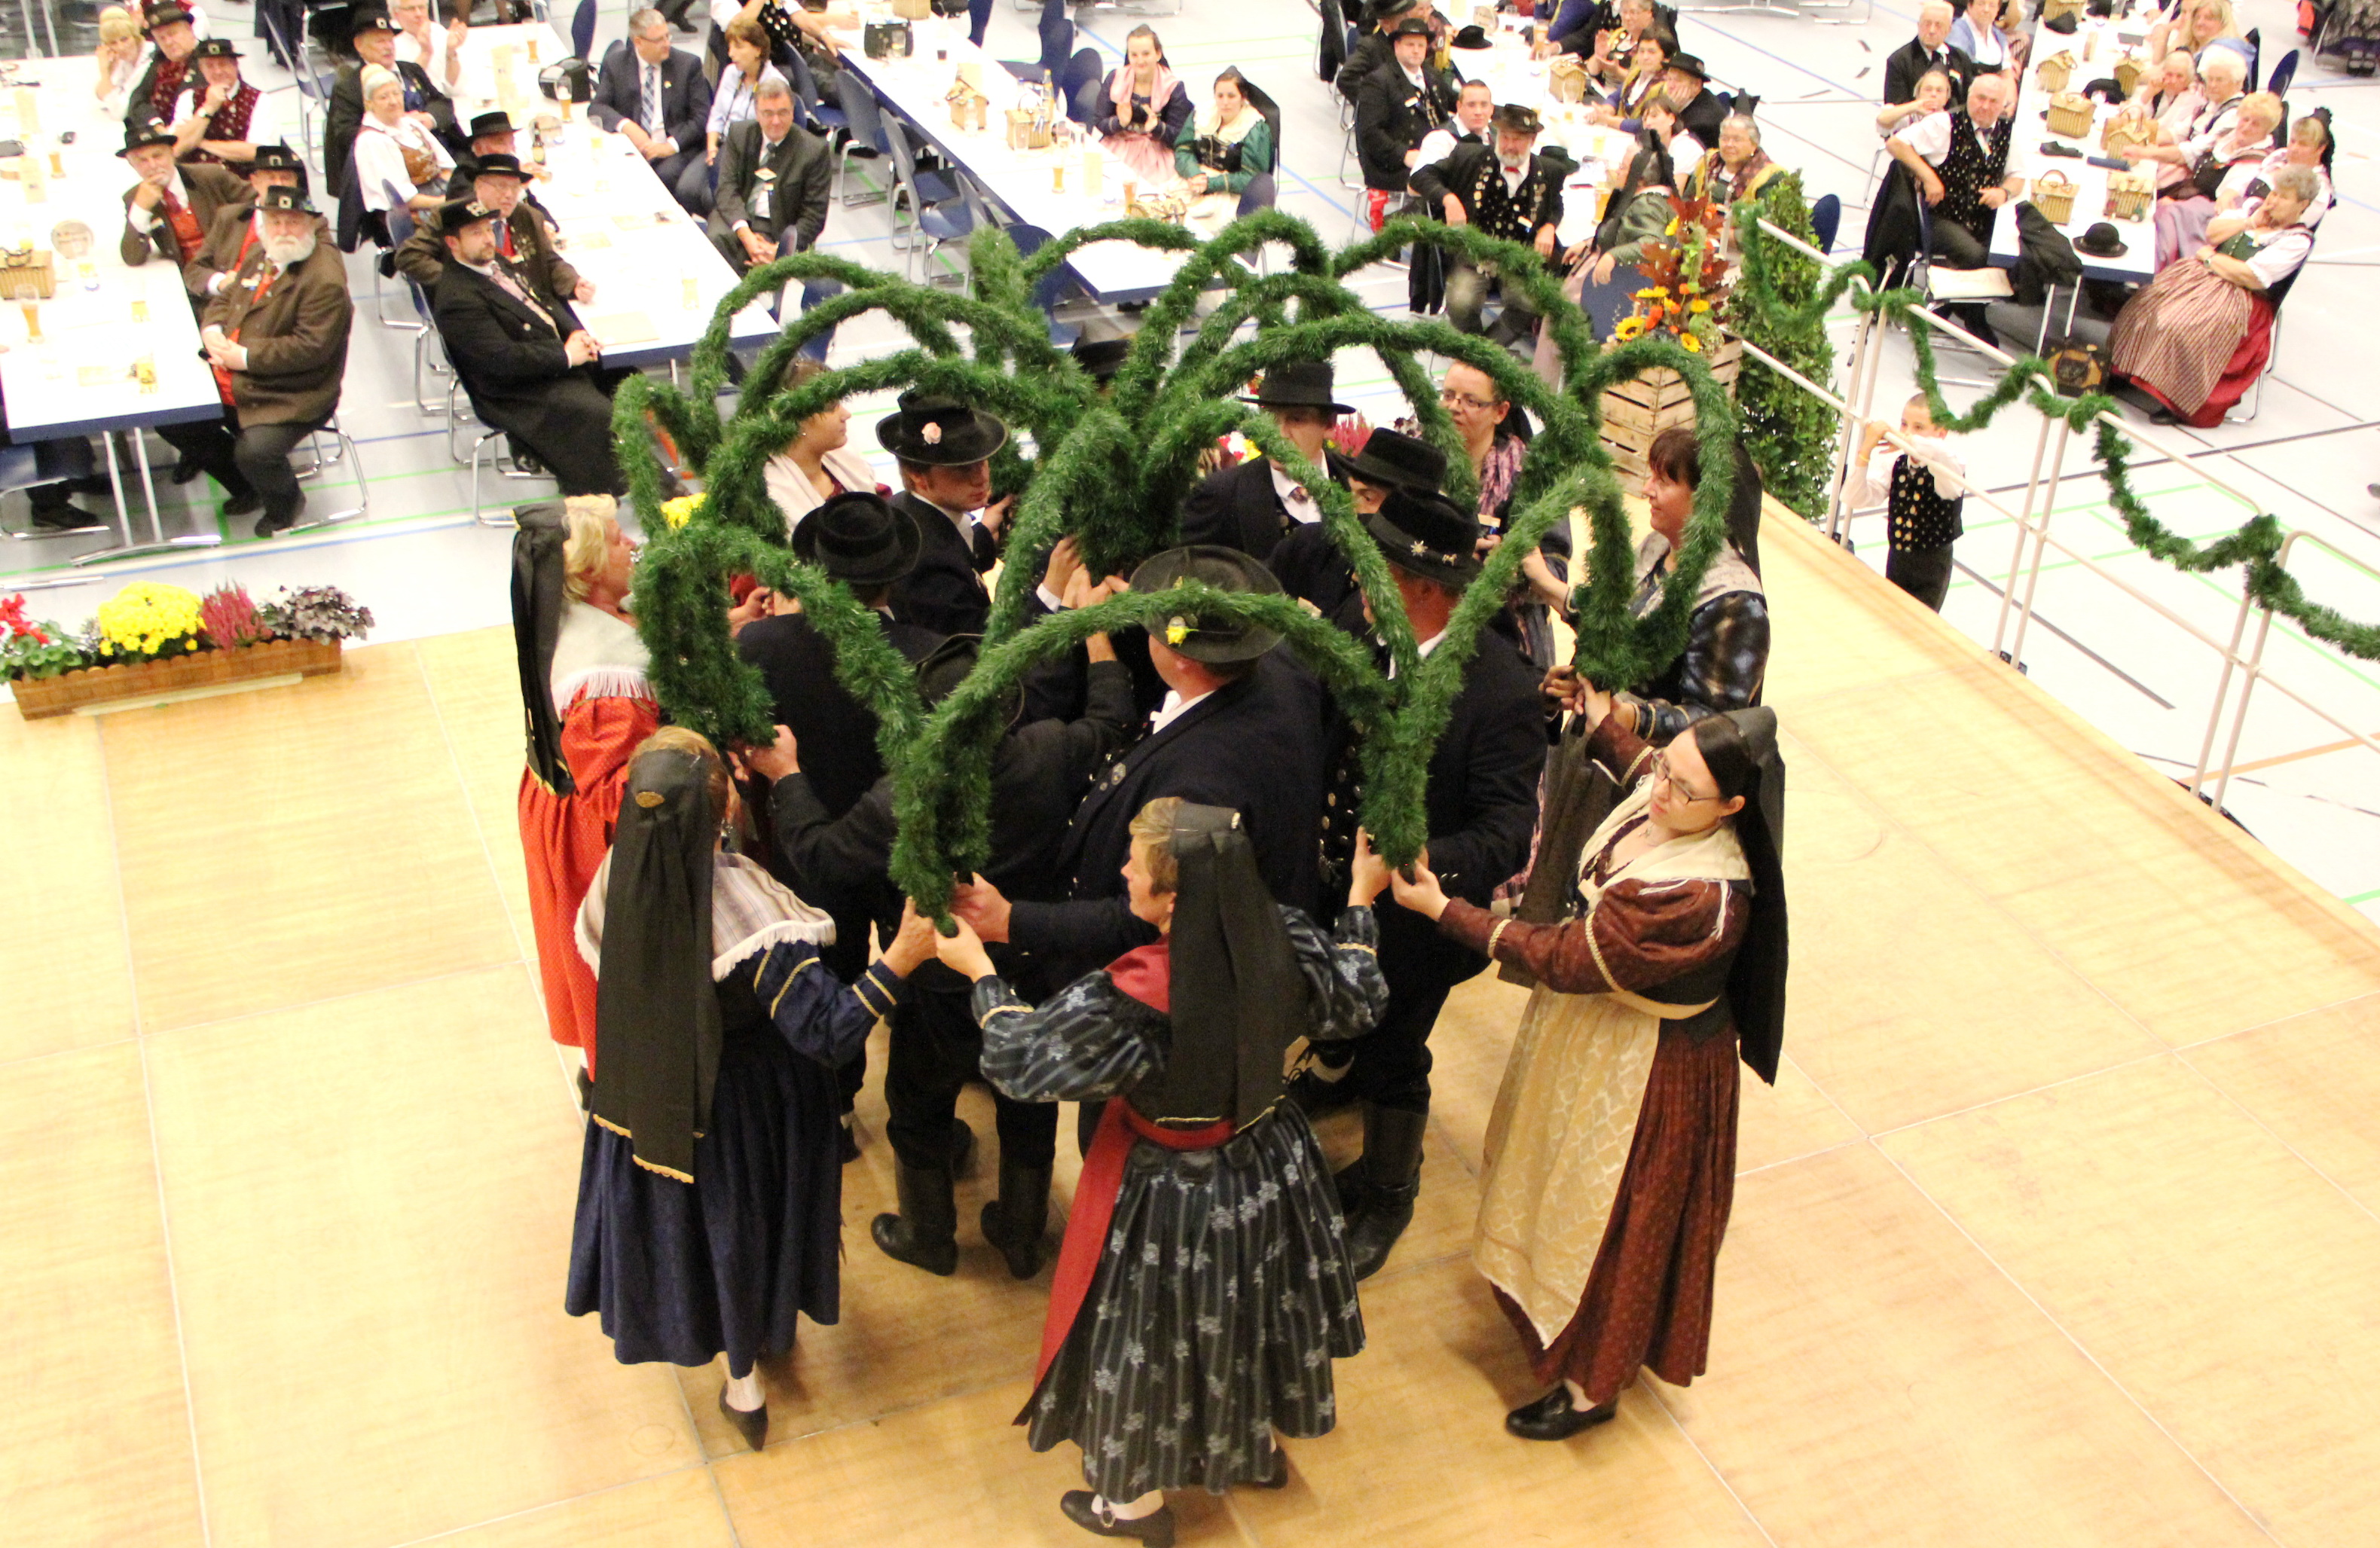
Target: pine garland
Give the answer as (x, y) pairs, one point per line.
(1790, 434)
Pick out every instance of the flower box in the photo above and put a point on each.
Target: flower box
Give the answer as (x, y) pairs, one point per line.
(1634, 412)
(40, 697)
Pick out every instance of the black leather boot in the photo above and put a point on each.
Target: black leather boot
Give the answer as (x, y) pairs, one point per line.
(1391, 1180)
(1082, 1508)
(924, 1234)
(1014, 1221)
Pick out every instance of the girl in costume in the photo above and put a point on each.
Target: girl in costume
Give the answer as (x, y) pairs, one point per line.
(1204, 1288)
(1232, 147)
(711, 1186)
(1143, 109)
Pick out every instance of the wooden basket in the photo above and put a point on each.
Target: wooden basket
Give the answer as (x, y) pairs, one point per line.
(2053, 195)
(2124, 128)
(1634, 412)
(1566, 79)
(2054, 72)
(2071, 114)
(2131, 195)
(40, 697)
(2128, 73)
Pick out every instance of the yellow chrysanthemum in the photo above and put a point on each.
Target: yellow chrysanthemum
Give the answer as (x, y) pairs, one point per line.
(678, 511)
(1691, 342)
(145, 617)
(1699, 305)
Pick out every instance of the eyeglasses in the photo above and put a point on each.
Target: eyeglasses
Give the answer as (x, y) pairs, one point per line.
(1453, 399)
(1661, 772)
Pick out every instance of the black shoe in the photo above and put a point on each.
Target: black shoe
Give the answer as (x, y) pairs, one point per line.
(924, 1235)
(586, 1091)
(1014, 1221)
(2051, 148)
(241, 504)
(273, 523)
(2164, 416)
(1551, 1417)
(753, 1427)
(846, 1141)
(65, 518)
(1156, 1527)
(186, 467)
(95, 484)
(1392, 1182)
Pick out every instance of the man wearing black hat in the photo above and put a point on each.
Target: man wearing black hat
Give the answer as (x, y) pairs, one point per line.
(524, 241)
(375, 43)
(168, 211)
(237, 229)
(1482, 804)
(1397, 105)
(1100, 358)
(151, 97)
(1253, 506)
(1375, 48)
(217, 115)
(1040, 770)
(493, 135)
(1310, 567)
(530, 369)
(1507, 190)
(1241, 726)
(276, 335)
(1686, 81)
(945, 453)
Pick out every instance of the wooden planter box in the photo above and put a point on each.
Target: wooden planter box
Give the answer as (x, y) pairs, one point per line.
(40, 697)
(1634, 412)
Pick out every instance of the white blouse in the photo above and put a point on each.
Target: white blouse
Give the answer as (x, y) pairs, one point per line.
(379, 164)
(731, 100)
(797, 497)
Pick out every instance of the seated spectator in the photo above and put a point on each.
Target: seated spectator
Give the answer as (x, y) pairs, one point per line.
(524, 240)
(1957, 163)
(755, 218)
(2196, 167)
(1599, 32)
(397, 160)
(1649, 65)
(1686, 82)
(818, 464)
(1225, 151)
(168, 211)
(1932, 96)
(174, 36)
(118, 63)
(276, 337)
(2203, 329)
(1637, 213)
(2169, 94)
(493, 135)
(236, 228)
(1930, 50)
(1475, 108)
(1984, 37)
(656, 96)
(531, 370)
(1143, 109)
(1506, 189)
(439, 50)
(732, 101)
(218, 116)
(1397, 107)
(2206, 24)
(374, 39)
(1740, 168)
(2181, 220)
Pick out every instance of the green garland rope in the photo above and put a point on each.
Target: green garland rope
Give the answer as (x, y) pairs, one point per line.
(2255, 546)
(1110, 469)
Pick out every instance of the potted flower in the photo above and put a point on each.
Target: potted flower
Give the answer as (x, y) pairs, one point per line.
(151, 639)
(1686, 281)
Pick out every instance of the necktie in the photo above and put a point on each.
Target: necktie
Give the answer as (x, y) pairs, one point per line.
(504, 238)
(512, 287)
(653, 98)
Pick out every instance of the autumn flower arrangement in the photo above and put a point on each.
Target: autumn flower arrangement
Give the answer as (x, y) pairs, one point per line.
(1685, 279)
(149, 621)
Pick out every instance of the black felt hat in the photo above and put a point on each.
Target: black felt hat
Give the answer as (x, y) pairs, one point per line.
(1100, 358)
(151, 133)
(162, 16)
(1217, 644)
(1392, 460)
(287, 200)
(457, 214)
(1410, 26)
(1518, 118)
(1471, 37)
(949, 664)
(1423, 531)
(860, 538)
(373, 20)
(1688, 63)
(498, 122)
(940, 432)
(1297, 384)
(499, 164)
(2100, 241)
(214, 48)
(277, 158)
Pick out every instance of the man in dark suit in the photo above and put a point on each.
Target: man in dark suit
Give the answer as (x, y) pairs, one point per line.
(1928, 51)
(530, 369)
(1374, 45)
(1310, 567)
(1253, 506)
(168, 211)
(657, 97)
(1687, 80)
(1396, 105)
(1038, 773)
(1482, 804)
(945, 454)
(524, 240)
(176, 41)
(375, 43)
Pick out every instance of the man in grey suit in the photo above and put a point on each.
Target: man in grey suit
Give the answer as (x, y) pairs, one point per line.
(773, 182)
(657, 97)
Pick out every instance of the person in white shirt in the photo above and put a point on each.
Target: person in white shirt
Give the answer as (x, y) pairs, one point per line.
(219, 116)
(397, 160)
(818, 464)
(1473, 106)
(733, 100)
(1920, 480)
(437, 51)
(116, 61)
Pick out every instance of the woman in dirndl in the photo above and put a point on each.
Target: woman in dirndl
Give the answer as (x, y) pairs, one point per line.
(1232, 147)
(1204, 1288)
(1142, 110)
(1611, 1150)
(2202, 331)
(710, 1184)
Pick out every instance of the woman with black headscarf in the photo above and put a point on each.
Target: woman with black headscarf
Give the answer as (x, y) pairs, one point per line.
(711, 1187)
(1204, 1288)
(1611, 1150)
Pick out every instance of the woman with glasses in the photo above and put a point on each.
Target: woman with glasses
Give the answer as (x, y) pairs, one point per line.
(1496, 438)
(1610, 1154)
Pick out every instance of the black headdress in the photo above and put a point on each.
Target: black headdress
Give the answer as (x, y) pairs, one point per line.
(1748, 763)
(539, 598)
(1743, 508)
(656, 1011)
(1237, 998)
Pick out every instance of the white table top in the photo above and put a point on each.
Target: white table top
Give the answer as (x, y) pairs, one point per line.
(2137, 263)
(78, 379)
(657, 276)
(1022, 183)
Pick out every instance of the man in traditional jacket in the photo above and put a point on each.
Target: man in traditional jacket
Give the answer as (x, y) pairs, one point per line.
(1507, 190)
(944, 449)
(524, 239)
(1481, 801)
(219, 116)
(1252, 506)
(276, 336)
(167, 213)
(174, 39)
(234, 231)
(1397, 105)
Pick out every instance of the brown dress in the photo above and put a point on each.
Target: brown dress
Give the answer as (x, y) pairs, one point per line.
(1611, 1154)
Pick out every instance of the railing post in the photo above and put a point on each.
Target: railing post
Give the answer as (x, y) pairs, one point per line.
(2023, 526)
(2040, 547)
(2222, 692)
(1862, 366)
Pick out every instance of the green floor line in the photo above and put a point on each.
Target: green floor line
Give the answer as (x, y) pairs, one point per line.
(2361, 897)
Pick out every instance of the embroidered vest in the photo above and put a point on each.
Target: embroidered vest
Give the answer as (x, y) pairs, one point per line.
(1500, 210)
(1917, 516)
(1970, 168)
(229, 122)
(165, 85)
(183, 222)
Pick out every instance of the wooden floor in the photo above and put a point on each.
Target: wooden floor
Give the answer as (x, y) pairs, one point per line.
(2058, 1228)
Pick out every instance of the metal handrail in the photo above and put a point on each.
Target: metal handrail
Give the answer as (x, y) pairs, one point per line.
(2253, 671)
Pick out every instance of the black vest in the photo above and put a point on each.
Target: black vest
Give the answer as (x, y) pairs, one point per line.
(1918, 515)
(1970, 168)
(1500, 210)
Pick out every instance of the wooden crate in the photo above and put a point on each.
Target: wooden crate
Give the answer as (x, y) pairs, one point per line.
(40, 697)
(1634, 412)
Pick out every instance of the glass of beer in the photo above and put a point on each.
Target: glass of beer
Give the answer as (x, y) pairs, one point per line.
(30, 305)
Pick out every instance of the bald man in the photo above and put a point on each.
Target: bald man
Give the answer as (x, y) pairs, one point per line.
(1930, 50)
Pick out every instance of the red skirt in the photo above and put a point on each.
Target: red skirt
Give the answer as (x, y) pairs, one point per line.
(1648, 1297)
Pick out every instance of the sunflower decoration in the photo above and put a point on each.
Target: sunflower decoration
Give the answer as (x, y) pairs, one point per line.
(1685, 277)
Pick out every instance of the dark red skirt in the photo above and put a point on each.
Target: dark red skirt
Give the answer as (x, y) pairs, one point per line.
(1648, 1297)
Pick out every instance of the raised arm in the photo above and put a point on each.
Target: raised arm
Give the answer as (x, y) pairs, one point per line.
(1089, 1043)
(1344, 991)
(821, 1019)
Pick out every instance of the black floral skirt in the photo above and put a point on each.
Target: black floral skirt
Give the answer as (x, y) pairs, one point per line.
(1222, 1297)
